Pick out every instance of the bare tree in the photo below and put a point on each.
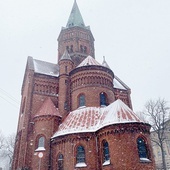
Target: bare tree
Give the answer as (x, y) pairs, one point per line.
(158, 114)
(1, 141)
(8, 148)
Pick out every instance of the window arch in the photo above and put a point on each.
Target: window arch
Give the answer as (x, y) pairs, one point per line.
(106, 154)
(80, 156)
(60, 162)
(142, 148)
(103, 99)
(81, 100)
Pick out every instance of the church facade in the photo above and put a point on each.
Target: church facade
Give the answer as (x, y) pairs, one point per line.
(77, 114)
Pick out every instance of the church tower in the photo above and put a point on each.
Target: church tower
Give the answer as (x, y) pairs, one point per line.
(77, 114)
(76, 38)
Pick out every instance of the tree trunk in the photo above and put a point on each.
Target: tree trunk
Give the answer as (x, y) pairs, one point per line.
(163, 157)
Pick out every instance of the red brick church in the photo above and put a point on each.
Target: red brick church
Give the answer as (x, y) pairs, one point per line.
(77, 115)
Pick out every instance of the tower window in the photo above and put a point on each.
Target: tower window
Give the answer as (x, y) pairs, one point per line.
(71, 49)
(142, 149)
(66, 69)
(81, 48)
(41, 144)
(60, 162)
(68, 49)
(81, 100)
(103, 99)
(106, 154)
(85, 49)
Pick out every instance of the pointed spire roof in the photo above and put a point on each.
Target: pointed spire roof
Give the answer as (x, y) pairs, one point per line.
(89, 61)
(48, 108)
(75, 18)
(105, 63)
(66, 56)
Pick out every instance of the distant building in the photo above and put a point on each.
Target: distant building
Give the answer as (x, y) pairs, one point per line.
(77, 115)
(157, 150)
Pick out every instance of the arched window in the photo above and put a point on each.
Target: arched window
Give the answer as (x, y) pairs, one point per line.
(85, 49)
(60, 162)
(41, 144)
(81, 100)
(81, 48)
(142, 149)
(106, 154)
(103, 99)
(80, 154)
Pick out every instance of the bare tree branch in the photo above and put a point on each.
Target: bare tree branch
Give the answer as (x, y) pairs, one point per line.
(1, 141)
(158, 114)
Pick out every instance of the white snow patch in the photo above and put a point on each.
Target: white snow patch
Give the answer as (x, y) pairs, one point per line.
(106, 163)
(145, 160)
(81, 164)
(40, 149)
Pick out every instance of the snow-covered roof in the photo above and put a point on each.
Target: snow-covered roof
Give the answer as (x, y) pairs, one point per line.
(89, 61)
(46, 68)
(65, 56)
(48, 108)
(91, 119)
(118, 84)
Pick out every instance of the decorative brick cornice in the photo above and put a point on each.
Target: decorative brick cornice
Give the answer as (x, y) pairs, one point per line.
(125, 128)
(92, 67)
(118, 129)
(45, 118)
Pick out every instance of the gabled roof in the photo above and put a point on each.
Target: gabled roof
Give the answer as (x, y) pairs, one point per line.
(43, 67)
(40, 67)
(75, 18)
(46, 68)
(48, 108)
(91, 119)
(89, 61)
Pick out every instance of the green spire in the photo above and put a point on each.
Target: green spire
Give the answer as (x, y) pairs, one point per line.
(75, 18)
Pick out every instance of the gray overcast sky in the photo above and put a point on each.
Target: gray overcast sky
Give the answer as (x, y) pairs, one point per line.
(133, 35)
